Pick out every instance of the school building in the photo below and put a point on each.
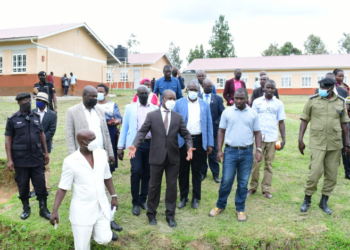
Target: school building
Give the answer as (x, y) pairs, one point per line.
(294, 75)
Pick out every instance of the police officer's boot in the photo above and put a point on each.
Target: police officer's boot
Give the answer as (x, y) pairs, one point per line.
(323, 204)
(44, 212)
(26, 209)
(306, 204)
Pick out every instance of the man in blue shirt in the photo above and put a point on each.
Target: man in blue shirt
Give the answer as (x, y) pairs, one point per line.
(168, 82)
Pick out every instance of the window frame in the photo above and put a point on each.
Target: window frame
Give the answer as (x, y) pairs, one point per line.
(282, 80)
(306, 78)
(245, 79)
(223, 82)
(124, 76)
(19, 69)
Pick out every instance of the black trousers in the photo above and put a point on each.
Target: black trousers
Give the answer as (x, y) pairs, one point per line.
(37, 175)
(212, 161)
(140, 174)
(198, 159)
(155, 184)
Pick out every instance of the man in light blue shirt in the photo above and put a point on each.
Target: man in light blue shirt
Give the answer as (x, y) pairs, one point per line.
(239, 124)
(168, 82)
(270, 111)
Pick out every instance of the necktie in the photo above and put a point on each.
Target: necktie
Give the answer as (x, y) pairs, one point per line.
(207, 98)
(166, 121)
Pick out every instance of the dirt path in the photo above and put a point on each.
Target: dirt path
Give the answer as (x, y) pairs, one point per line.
(6, 193)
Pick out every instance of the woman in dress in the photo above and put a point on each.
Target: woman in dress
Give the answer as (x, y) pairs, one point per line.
(152, 97)
(113, 118)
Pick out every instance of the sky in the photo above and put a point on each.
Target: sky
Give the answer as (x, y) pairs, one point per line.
(253, 24)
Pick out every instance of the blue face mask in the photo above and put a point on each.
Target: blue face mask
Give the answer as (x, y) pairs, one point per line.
(323, 92)
(192, 95)
(40, 104)
(100, 96)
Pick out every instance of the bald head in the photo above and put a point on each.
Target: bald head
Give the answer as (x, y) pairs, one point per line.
(193, 84)
(207, 86)
(262, 73)
(89, 89)
(89, 97)
(201, 75)
(142, 89)
(84, 137)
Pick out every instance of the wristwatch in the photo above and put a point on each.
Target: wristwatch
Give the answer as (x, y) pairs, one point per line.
(114, 195)
(259, 149)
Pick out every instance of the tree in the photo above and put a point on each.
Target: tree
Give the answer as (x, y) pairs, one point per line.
(196, 53)
(221, 41)
(272, 50)
(174, 55)
(288, 49)
(344, 44)
(314, 45)
(131, 43)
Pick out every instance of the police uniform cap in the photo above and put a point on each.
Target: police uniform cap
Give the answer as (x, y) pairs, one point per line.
(42, 73)
(327, 82)
(22, 96)
(41, 96)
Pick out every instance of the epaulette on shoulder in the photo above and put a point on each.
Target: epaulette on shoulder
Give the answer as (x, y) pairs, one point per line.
(11, 116)
(341, 98)
(313, 96)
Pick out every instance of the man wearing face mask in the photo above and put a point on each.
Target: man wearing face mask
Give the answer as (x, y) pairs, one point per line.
(328, 116)
(231, 86)
(27, 154)
(176, 73)
(134, 117)
(46, 87)
(197, 116)
(48, 120)
(164, 125)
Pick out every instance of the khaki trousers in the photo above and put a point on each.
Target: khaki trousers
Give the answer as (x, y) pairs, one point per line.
(268, 152)
(72, 88)
(47, 177)
(323, 162)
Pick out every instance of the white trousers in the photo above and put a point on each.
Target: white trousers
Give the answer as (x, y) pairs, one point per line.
(101, 231)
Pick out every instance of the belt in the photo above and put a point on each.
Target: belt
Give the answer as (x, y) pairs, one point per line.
(146, 140)
(194, 136)
(239, 148)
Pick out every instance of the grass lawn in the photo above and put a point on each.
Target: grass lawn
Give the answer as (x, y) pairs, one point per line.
(271, 224)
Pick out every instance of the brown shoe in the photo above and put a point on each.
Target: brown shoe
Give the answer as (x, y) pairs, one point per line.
(241, 216)
(267, 195)
(215, 211)
(251, 191)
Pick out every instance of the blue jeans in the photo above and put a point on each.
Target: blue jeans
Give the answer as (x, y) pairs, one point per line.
(240, 161)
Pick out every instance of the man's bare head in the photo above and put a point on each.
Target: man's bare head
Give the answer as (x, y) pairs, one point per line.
(262, 73)
(84, 137)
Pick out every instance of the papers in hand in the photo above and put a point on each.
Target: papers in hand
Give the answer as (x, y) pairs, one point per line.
(56, 225)
(112, 211)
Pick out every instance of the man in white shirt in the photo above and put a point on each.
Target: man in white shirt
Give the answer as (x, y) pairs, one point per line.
(257, 83)
(90, 212)
(73, 83)
(270, 111)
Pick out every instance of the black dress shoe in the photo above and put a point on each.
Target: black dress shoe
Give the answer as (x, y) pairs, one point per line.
(347, 176)
(152, 222)
(143, 206)
(44, 212)
(136, 210)
(195, 203)
(32, 194)
(171, 223)
(216, 179)
(115, 226)
(26, 209)
(182, 203)
(203, 177)
(114, 236)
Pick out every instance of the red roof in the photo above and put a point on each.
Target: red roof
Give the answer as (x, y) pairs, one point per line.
(145, 58)
(272, 62)
(36, 31)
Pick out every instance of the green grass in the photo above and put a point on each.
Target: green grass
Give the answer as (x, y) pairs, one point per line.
(271, 224)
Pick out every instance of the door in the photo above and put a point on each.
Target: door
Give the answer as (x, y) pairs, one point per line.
(136, 78)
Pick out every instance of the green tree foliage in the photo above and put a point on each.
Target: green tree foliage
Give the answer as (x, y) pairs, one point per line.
(174, 55)
(221, 40)
(196, 53)
(272, 50)
(288, 49)
(344, 44)
(132, 43)
(314, 45)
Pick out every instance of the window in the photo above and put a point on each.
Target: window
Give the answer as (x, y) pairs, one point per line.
(306, 81)
(110, 75)
(0, 63)
(220, 82)
(319, 78)
(19, 61)
(124, 76)
(245, 79)
(286, 81)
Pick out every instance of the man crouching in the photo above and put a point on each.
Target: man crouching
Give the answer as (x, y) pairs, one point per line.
(88, 169)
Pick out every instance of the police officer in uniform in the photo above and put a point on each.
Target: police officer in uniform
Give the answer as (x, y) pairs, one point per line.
(27, 154)
(328, 116)
(46, 87)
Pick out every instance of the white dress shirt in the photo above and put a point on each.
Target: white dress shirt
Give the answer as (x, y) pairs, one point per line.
(194, 118)
(162, 110)
(94, 123)
(257, 85)
(42, 114)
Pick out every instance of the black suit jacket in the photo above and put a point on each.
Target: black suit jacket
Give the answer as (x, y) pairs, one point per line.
(161, 143)
(216, 109)
(259, 93)
(49, 124)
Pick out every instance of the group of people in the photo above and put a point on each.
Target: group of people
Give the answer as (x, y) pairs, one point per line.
(166, 132)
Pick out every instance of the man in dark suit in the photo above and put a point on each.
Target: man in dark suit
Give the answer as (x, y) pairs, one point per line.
(259, 92)
(231, 86)
(216, 108)
(48, 120)
(164, 125)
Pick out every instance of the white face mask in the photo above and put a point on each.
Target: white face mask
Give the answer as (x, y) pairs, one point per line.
(170, 104)
(92, 145)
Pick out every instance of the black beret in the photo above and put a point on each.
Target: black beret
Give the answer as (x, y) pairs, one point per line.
(22, 96)
(327, 82)
(43, 73)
